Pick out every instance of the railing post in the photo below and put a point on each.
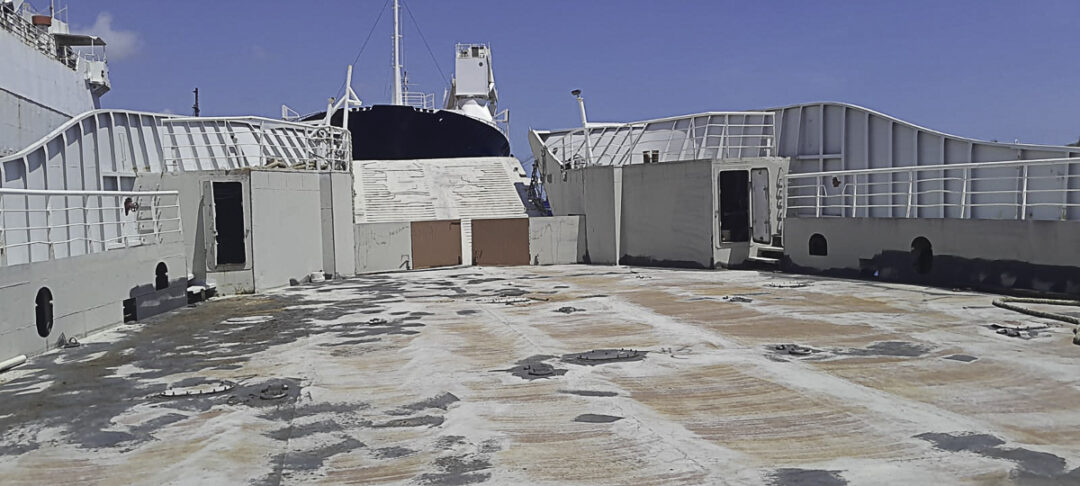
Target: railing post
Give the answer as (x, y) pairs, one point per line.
(260, 136)
(770, 142)
(86, 224)
(48, 227)
(964, 194)
(786, 210)
(179, 216)
(155, 218)
(564, 147)
(818, 189)
(3, 223)
(1024, 192)
(1065, 192)
(722, 148)
(854, 195)
(910, 192)
(100, 225)
(120, 220)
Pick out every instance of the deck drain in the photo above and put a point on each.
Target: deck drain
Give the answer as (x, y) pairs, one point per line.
(506, 300)
(247, 320)
(736, 298)
(787, 285)
(568, 310)
(601, 356)
(539, 369)
(534, 368)
(208, 388)
(268, 393)
(274, 391)
(793, 349)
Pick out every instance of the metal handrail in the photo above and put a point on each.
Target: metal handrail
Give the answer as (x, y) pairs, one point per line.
(851, 193)
(50, 219)
(711, 135)
(59, 192)
(420, 100)
(295, 144)
(966, 165)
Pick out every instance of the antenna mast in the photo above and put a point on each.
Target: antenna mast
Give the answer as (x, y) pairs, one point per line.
(397, 57)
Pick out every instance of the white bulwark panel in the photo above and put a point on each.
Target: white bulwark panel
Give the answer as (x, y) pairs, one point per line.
(288, 242)
(664, 222)
(556, 240)
(383, 247)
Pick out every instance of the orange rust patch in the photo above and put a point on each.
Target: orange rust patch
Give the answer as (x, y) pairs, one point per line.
(581, 334)
(700, 311)
(760, 418)
(376, 471)
(776, 328)
(992, 391)
(586, 454)
(476, 339)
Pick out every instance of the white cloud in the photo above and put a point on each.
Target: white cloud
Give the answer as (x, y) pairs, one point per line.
(167, 111)
(120, 44)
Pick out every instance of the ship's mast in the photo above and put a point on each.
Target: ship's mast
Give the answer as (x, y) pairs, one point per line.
(397, 57)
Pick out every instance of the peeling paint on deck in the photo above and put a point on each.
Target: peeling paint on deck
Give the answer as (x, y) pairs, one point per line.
(472, 375)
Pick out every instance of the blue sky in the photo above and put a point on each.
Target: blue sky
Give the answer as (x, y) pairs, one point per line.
(984, 69)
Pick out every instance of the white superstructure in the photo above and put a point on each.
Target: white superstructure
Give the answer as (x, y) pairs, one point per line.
(59, 74)
(472, 91)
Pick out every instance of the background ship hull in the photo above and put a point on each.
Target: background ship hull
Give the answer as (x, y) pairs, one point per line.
(391, 132)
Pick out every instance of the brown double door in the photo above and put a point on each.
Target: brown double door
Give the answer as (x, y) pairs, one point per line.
(436, 243)
(500, 241)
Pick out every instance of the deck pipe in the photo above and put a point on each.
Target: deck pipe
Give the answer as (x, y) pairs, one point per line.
(13, 362)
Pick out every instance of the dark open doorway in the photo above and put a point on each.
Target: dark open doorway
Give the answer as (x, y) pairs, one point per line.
(922, 255)
(229, 222)
(161, 276)
(734, 206)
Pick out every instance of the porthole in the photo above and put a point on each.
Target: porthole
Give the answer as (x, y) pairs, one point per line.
(43, 311)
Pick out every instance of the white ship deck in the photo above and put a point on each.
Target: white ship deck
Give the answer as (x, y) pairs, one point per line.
(410, 378)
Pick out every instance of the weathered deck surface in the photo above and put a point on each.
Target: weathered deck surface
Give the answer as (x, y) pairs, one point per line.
(417, 378)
